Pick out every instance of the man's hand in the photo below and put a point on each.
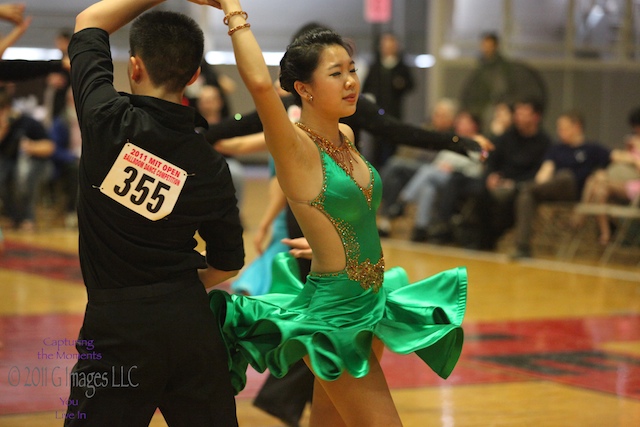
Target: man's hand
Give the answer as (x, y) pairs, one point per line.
(299, 247)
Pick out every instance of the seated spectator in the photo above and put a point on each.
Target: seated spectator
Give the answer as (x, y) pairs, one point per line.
(400, 169)
(620, 182)
(65, 133)
(25, 151)
(561, 177)
(455, 216)
(425, 186)
(515, 160)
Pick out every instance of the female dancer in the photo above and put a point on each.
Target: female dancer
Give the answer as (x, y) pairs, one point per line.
(343, 316)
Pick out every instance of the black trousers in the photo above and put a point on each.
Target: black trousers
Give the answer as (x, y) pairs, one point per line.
(149, 347)
(287, 397)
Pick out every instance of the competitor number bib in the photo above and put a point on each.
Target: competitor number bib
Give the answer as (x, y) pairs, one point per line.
(144, 182)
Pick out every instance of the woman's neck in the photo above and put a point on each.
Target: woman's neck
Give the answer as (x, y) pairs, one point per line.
(327, 128)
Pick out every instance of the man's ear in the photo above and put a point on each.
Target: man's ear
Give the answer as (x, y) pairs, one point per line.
(195, 76)
(136, 69)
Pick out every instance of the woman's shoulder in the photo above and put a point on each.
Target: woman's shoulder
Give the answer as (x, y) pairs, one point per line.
(347, 131)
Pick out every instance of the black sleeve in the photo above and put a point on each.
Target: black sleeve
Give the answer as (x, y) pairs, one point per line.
(91, 71)
(389, 130)
(231, 127)
(17, 70)
(223, 234)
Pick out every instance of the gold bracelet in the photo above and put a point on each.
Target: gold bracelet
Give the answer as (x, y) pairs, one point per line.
(239, 27)
(228, 16)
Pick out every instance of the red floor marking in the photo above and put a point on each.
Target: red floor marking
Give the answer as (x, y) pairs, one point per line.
(567, 351)
(45, 262)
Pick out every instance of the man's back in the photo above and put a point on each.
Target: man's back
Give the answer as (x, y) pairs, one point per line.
(148, 182)
(152, 157)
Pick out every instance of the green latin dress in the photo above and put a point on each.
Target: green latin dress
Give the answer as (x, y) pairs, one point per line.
(333, 317)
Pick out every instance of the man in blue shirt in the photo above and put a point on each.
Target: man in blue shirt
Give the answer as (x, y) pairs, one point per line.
(561, 176)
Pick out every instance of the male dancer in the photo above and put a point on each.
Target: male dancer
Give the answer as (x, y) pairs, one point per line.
(148, 183)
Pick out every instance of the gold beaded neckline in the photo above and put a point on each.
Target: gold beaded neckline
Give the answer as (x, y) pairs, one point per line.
(342, 155)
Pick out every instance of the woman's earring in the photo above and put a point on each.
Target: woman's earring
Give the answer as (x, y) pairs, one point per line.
(310, 98)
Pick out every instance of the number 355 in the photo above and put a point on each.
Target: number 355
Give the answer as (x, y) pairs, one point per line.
(141, 189)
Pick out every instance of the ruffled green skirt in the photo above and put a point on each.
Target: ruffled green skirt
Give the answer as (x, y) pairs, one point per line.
(333, 320)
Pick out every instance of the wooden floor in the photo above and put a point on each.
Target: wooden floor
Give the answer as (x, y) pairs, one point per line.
(547, 343)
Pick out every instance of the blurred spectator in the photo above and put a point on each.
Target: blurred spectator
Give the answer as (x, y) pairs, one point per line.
(501, 119)
(389, 80)
(561, 177)
(517, 157)
(620, 182)
(499, 80)
(425, 186)
(401, 168)
(210, 105)
(209, 76)
(57, 83)
(455, 218)
(25, 151)
(65, 133)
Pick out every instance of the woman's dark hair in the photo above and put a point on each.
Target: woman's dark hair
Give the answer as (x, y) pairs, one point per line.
(171, 46)
(302, 57)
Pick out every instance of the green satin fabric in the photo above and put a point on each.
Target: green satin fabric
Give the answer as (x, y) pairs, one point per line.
(345, 204)
(332, 318)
